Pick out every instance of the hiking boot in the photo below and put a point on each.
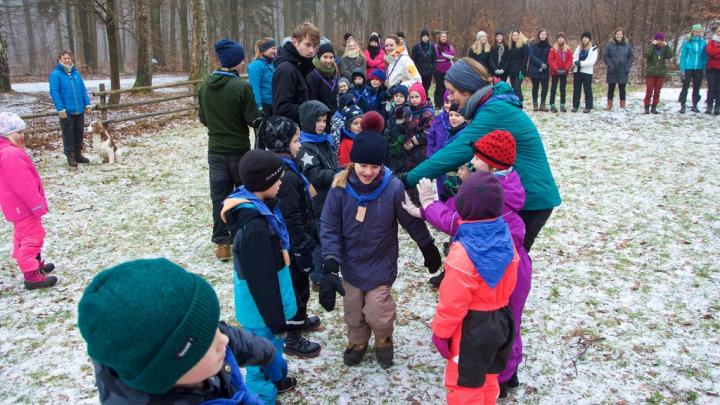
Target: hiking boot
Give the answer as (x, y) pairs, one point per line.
(562, 108)
(586, 110)
(298, 346)
(535, 106)
(647, 109)
(436, 280)
(384, 352)
(543, 108)
(654, 110)
(717, 109)
(609, 105)
(695, 109)
(354, 354)
(286, 384)
(311, 323)
(622, 104)
(552, 108)
(71, 159)
(223, 252)
(80, 158)
(35, 280)
(682, 109)
(574, 109)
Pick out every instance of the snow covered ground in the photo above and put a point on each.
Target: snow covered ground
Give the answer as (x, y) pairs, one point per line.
(625, 305)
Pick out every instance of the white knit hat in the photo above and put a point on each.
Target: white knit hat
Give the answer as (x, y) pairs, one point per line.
(10, 123)
(480, 34)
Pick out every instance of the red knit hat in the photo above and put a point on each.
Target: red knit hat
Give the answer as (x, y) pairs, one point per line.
(497, 149)
(373, 121)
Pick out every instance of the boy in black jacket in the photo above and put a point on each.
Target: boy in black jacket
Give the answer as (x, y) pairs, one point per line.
(292, 65)
(264, 295)
(162, 343)
(282, 136)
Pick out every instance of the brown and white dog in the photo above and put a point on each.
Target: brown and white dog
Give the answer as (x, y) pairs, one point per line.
(103, 143)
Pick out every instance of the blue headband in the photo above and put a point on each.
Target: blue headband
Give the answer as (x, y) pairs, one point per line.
(463, 77)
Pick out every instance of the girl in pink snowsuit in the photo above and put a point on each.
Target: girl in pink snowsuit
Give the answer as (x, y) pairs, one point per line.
(23, 203)
(494, 152)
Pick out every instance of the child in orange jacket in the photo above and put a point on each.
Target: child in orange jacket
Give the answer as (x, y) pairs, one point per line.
(473, 325)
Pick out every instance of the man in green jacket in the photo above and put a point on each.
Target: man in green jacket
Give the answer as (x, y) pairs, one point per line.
(227, 109)
(656, 53)
(495, 107)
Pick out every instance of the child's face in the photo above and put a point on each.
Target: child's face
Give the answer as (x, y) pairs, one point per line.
(320, 124)
(446, 105)
(415, 98)
(295, 143)
(305, 47)
(343, 88)
(456, 119)
(375, 83)
(210, 364)
(272, 192)
(17, 138)
(479, 164)
(355, 127)
(463, 172)
(366, 172)
(399, 98)
(358, 80)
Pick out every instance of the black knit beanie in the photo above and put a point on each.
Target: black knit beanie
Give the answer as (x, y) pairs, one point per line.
(277, 132)
(325, 48)
(368, 148)
(260, 169)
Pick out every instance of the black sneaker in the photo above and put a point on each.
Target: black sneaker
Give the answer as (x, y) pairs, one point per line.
(286, 384)
(436, 280)
(298, 346)
(384, 355)
(354, 355)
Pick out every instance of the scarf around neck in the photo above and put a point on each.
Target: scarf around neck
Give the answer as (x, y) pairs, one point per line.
(315, 138)
(293, 167)
(328, 72)
(274, 218)
(364, 199)
(346, 133)
(489, 246)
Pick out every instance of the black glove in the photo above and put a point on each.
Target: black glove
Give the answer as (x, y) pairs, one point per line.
(431, 254)
(330, 284)
(403, 113)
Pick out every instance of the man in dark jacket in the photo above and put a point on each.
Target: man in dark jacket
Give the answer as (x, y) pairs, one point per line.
(423, 54)
(227, 109)
(292, 65)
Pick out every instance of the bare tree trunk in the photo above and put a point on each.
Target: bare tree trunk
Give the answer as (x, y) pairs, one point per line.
(4, 66)
(143, 76)
(112, 39)
(157, 39)
(172, 36)
(91, 51)
(58, 34)
(329, 18)
(376, 16)
(184, 36)
(288, 17)
(32, 56)
(235, 21)
(200, 64)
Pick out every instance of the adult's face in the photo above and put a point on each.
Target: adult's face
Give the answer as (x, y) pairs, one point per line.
(499, 38)
(483, 39)
(561, 40)
(514, 36)
(585, 41)
(543, 35)
(443, 37)
(270, 53)
(351, 45)
(374, 43)
(455, 95)
(305, 47)
(390, 45)
(697, 33)
(65, 59)
(619, 36)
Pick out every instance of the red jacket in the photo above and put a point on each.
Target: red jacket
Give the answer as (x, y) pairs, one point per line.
(713, 51)
(559, 59)
(377, 63)
(344, 151)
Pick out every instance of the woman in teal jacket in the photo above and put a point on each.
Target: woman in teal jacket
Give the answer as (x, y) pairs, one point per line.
(72, 102)
(260, 73)
(692, 64)
(492, 105)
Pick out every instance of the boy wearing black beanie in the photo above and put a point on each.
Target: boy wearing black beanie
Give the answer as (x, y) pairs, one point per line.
(362, 210)
(264, 295)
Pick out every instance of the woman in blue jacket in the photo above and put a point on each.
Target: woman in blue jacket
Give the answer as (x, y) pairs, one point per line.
(72, 102)
(538, 68)
(260, 73)
(692, 63)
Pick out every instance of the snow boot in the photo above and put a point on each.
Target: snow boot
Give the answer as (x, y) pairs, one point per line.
(354, 354)
(562, 108)
(286, 384)
(647, 109)
(436, 280)
(552, 108)
(622, 104)
(223, 252)
(298, 346)
(384, 352)
(45, 268)
(35, 280)
(682, 109)
(654, 110)
(694, 108)
(609, 105)
(71, 159)
(80, 158)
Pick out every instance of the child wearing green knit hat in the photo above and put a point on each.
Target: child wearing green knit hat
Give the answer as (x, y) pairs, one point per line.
(163, 342)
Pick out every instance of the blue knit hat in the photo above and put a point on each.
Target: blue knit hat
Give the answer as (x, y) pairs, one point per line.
(398, 88)
(229, 52)
(378, 74)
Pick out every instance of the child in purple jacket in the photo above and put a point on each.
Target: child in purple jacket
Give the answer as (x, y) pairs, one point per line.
(359, 237)
(494, 152)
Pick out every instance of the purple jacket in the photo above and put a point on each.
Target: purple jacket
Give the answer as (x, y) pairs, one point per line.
(438, 134)
(367, 251)
(443, 63)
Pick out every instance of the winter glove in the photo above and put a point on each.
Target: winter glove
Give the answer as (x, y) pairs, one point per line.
(411, 208)
(88, 109)
(63, 114)
(521, 75)
(431, 256)
(277, 369)
(410, 143)
(426, 192)
(442, 346)
(330, 284)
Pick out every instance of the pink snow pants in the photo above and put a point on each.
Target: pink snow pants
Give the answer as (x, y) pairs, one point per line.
(28, 238)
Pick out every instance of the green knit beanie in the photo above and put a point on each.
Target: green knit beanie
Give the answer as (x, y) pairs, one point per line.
(696, 27)
(148, 320)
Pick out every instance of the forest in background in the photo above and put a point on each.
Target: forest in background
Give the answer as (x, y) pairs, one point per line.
(146, 36)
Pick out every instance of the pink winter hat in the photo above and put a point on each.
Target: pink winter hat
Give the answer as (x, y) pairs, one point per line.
(659, 36)
(418, 88)
(9, 123)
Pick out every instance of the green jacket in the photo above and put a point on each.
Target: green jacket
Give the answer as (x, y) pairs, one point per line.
(227, 109)
(531, 161)
(655, 60)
